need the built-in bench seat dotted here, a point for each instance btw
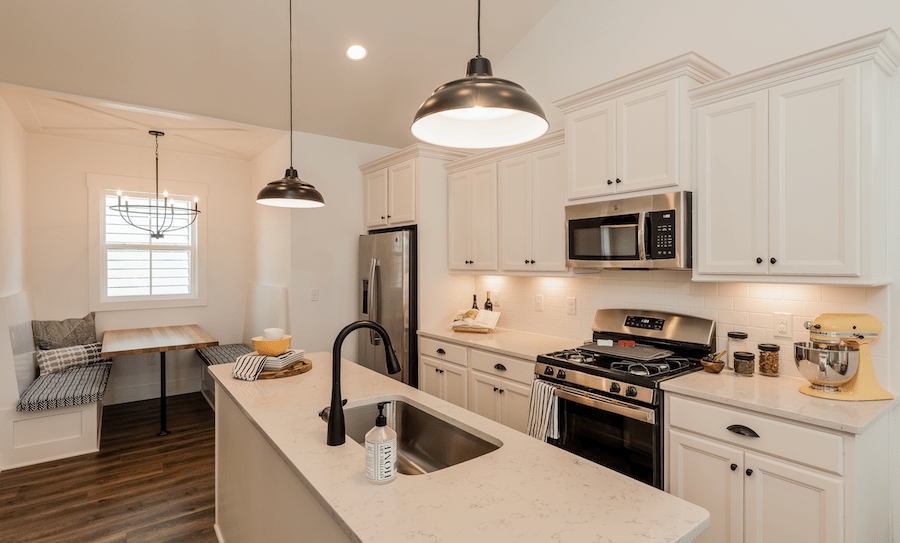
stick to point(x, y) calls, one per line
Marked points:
point(68, 388)
point(218, 354)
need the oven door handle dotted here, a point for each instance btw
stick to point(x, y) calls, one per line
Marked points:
point(642, 414)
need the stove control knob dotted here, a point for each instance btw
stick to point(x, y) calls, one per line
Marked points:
point(560, 374)
point(631, 392)
point(548, 371)
point(615, 387)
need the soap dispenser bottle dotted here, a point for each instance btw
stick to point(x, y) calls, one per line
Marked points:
point(381, 451)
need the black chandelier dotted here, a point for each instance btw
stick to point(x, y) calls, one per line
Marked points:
point(153, 217)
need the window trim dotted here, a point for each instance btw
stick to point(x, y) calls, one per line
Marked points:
point(97, 184)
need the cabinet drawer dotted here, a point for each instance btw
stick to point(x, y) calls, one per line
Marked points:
point(815, 448)
point(449, 352)
point(516, 369)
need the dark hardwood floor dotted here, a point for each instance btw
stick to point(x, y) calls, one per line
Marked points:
point(138, 488)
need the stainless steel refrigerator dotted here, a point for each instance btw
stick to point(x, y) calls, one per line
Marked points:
point(387, 295)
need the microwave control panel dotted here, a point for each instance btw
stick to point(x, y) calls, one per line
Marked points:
point(662, 234)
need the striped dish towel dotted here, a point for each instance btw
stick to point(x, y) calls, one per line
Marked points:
point(543, 415)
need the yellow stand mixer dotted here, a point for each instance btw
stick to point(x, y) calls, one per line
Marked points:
point(836, 359)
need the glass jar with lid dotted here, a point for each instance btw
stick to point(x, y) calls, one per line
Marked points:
point(737, 341)
point(768, 359)
point(744, 363)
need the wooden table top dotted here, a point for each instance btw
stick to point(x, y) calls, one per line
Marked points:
point(154, 340)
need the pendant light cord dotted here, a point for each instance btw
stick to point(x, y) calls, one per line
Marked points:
point(156, 207)
point(291, 72)
point(479, 30)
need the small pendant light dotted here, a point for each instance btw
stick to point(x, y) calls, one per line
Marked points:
point(480, 110)
point(291, 191)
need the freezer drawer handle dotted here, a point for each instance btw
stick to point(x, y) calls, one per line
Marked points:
point(742, 430)
point(500, 367)
point(441, 351)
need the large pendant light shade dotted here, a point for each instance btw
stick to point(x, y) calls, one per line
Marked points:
point(479, 110)
point(290, 191)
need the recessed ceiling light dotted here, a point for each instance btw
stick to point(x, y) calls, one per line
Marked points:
point(357, 52)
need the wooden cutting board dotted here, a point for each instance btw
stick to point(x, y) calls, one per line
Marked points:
point(301, 366)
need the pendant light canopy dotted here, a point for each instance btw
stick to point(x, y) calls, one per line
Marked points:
point(290, 191)
point(480, 110)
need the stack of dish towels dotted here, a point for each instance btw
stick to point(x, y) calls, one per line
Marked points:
point(249, 366)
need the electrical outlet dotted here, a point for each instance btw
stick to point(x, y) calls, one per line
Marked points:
point(314, 295)
point(570, 306)
point(495, 298)
point(538, 302)
point(783, 325)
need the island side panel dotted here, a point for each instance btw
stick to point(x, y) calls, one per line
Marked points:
point(258, 498)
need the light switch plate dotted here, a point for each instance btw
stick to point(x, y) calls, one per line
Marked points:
point(495, 298)
point(538, 302)
point(314, 295)
point(570, 306)
point(783, 325)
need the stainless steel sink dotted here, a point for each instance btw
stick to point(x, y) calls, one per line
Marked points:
point(426, 441)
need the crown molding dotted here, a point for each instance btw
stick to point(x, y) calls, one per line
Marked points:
point(416, 150)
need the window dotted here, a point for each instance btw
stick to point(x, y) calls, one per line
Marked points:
point(130, 269)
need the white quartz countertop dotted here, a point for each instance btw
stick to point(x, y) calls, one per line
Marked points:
point(779, 396)
point(526, 490)
point(503, 341)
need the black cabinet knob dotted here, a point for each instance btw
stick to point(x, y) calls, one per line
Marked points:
point(389, 216)
point(532, 261)
point(618, 180)
point(759, 261)
point(501, 391)
point(772, 260)
point(608, 182)
point(733, 467)
point(526, 261)
point(749, 472)
point(382, 217)
point(442, 371)
point(496, 389)
point(436, 370)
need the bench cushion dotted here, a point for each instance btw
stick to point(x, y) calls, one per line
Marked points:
point(76, 386)
point(223, 354)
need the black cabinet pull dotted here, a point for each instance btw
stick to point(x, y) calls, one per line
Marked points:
point(609, 181)
point(733, 467)
point(500, 367)
point(742, 430)
point(618, 180)
point(759, 261)
point(772, 260)
point(441, 351)
point(749, 472)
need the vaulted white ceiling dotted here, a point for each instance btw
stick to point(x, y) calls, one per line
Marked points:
point(228, 60)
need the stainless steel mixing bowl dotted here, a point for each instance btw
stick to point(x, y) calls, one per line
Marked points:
point(826, 366)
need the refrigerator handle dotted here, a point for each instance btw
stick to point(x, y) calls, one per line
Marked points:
point(374, 338)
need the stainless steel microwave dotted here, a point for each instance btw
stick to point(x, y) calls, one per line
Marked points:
point(640, 232)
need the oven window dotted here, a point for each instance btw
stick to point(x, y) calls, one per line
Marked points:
point(612, 238)
point(622, 444)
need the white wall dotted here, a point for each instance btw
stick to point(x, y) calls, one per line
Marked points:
point(12, 204)
point(57, 259)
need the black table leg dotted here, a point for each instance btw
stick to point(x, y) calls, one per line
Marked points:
point(162, 395)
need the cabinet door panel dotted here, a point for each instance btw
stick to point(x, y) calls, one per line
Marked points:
point(458, 230)
point(514, 177)
point(483, 396)
point(548, 227)
point(402, 197)
point(376, 198)
point(700, 472)
point(814, 180)
point(515, 401)
point(784, 502)
point(455, 384)
point(430, 376)
point(732, 176)
point(483, 218)
point(591, 150)
point(647, 138)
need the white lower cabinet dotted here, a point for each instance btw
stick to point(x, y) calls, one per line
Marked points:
point(499, 399)
point(789, 483)
point(442, 371)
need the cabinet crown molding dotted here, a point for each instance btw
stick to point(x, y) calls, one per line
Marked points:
point(689, 64)
point(552, 139)
point(882, 47)
point(415, 150)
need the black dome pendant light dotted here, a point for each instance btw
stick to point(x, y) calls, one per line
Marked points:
point(480, 110)
point(290, 191)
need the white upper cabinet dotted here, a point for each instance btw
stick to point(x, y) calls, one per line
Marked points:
point(633, 133)
point(791, 167)
point(376, 194)
point(472, 212)
point(391, 198)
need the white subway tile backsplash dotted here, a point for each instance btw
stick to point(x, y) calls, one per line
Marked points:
point(784, 306)
point(764, 290)
point(848, 295)
point(705, 313)
point(738, 318)
point(803, 293)
point(690, 300)
point(665, 299)
point(812, 309)
point(766, 320)
point(705, 289)
point(754, 305)
point(735, 290)
point(718, 302)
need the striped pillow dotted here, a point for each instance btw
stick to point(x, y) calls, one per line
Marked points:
point(67, 357)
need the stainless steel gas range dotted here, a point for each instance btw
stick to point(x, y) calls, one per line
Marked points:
point(610, 401)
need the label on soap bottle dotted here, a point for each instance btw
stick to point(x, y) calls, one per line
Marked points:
point(381, 461)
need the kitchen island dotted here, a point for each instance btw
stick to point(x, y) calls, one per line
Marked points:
point(277, 480)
